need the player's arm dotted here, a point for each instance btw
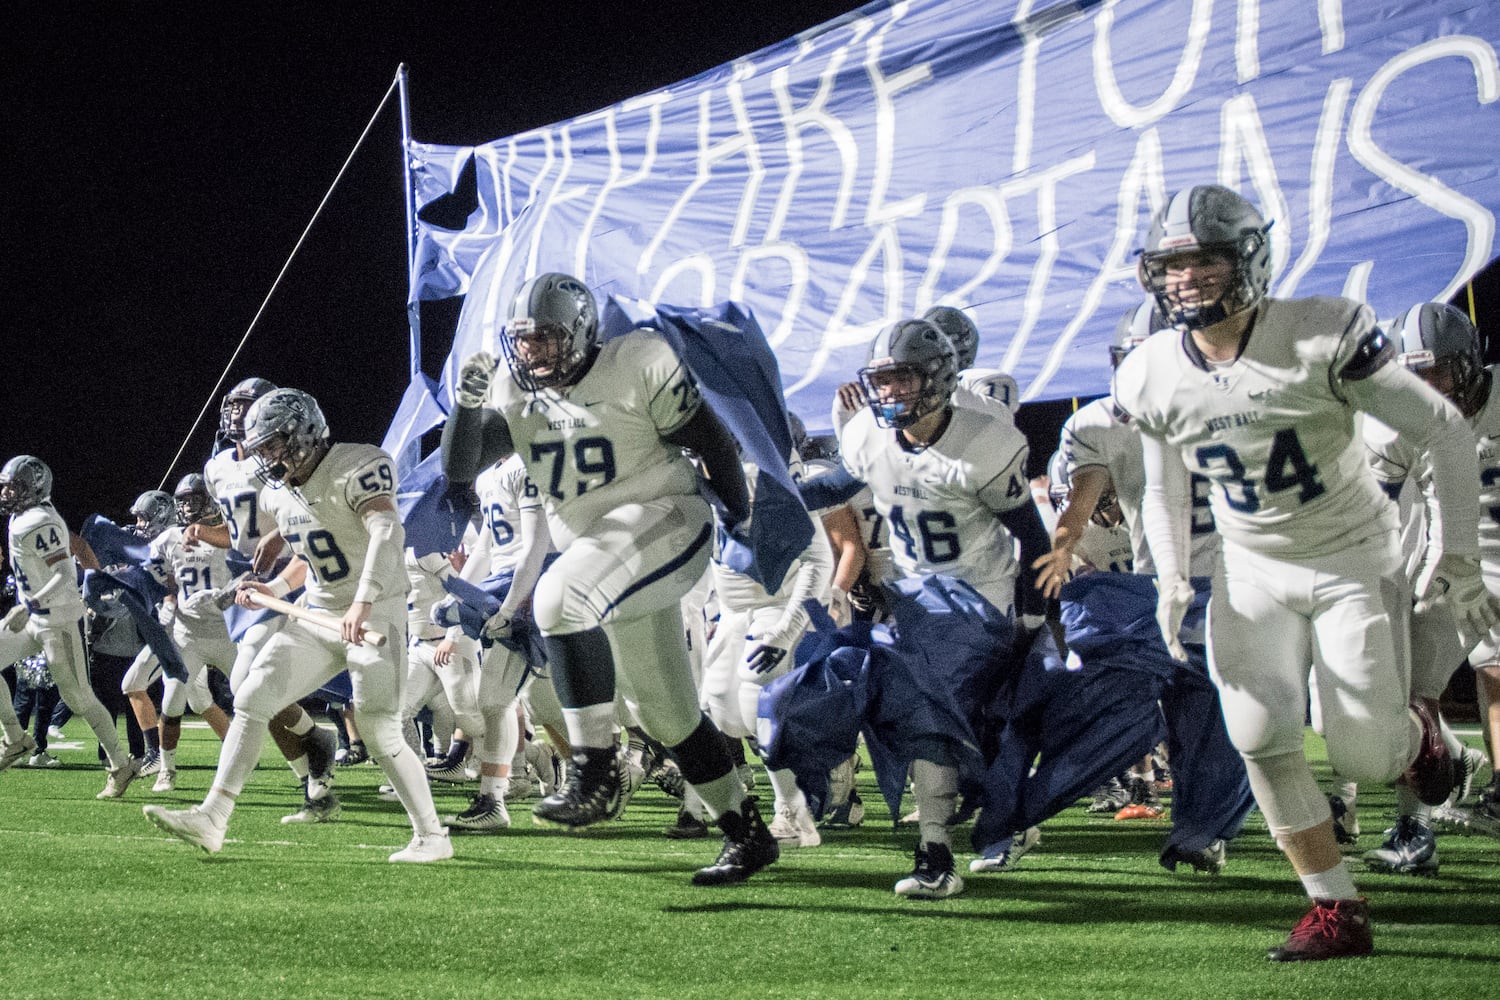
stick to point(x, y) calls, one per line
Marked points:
point(475, 437)
point(1089, 483)
point(83, 551)
point(1009, 496)
point(1166, 518)
point(216, 535)
point(847, 544)
point(289, 579)
point(384, 560)
point(705, 435)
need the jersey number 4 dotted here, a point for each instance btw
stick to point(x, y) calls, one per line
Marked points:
point(1287, 468)
point(938, 546)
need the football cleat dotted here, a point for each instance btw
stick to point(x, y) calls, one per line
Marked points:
point(321, 746)
point(485, 812)
point(356, 754)
point(593, 792)
point(666, 775)
point(795, 828)
point(426, 848)
point(1476, 763)
point(1485, 816)
point(1004, 856)
point(1434, 773)
point(166, 780)
point(633, 776)
point(120, 778)
point(448, 772)
point(1109, 798)
point(323, 809)
point(1144, 802)
point(43, 759)
point(687, 827)
point(151, 763)
point(15, 751)
point(1333, 928)
point(1209, 860)
point(1345, 819)
point(748, 847)
point(933, 876)
point(192, 825)
point(1410, 848)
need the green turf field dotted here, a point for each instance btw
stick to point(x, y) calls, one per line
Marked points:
point(99, 904)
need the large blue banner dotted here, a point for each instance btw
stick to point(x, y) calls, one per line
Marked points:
point(1003, 156)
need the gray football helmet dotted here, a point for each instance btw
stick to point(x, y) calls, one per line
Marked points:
point(1134, 327)
point(1106, 513)
point(195, 505)
point(25, 482)
point(960, 330)
point(236, 404)
point(154, 512)
point(1438, 342)
point(559, 308)
point(910, 346)
point(286, 435)
point(1213, 221)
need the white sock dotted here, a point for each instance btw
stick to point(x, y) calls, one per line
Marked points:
point(591, 726)
point(784, 784)
point(168, 759)
point(1335, 883)
point(722, 795)
point(409, 778)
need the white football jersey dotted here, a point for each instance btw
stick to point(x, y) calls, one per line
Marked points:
point(940, 503)
point(236, 485)
point(504, 491)
point(1098, 434)
point(1273, 431)
point(38, 534)
point(596, 445)
point(424, 576)
point(321, 523)
point(737, 592)
point(188, 569)
point(988, 390)
point(1109, 550)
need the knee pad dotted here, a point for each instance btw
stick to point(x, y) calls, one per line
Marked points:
point(381, 734)
point(561, 604)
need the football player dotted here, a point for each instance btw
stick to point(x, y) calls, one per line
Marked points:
point(951, 484)
point(601, 428)
point(154, 513)
point(989, 390)
point(1260, 396)
point(234, 481)
point(48, 615)
point(1441, 345)
point(334, 504)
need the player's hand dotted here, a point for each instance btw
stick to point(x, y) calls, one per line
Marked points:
point(166, 613)
point(353, 625)
point(1172, 600)
point(192, 536)
point(499, 626)
point(839, 608)
point(474, 377)
point(266, 551)
point(1056, 567)
point(242, 595)
point(443, 654)
point(767, 651)
point(199, 603)
point(1459, 581)
point(852, 397)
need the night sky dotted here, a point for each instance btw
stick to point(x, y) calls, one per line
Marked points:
point(166, 158)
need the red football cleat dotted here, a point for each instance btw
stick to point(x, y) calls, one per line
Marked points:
point(1333, 928)
point(1434, 773)
point(1139, 811)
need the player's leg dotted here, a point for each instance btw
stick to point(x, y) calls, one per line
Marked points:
point(143, 672)
point(15, 744)
point(496, 695)
point(68, 660)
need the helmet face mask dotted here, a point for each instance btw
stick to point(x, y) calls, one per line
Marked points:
point(194, 504)
point(25, 482)
point(154, 512)
point(551, 333)
point(1441, 346)
point(1207, 257)
point(286, 435)
point(236, 405)
point(911, 372)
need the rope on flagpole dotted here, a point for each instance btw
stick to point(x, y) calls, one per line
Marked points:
point(214, 392)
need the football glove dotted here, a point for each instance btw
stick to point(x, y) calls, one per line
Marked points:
point(1459, 581)
point(166, 613)
point(767, 651)
point(499, 626)
point(474, 377)
point(1172, 600)
point(445, 612)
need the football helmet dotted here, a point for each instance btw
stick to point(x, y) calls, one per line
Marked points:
point(554, 314)
point(154, 512)
point(25, 482)
point(195, 505)
point(917, 352)
point(1134, 327)
point(236, 404)
point(1214, 224)
point(1106, 513)
point(960, 330)
point(799, 432)
point(286, 435)
point(1438, 342)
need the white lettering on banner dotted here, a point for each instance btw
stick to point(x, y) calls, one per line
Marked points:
point(1430, 191)
point(1331, 24)
point(556, 194)
point(796, 262)
point(992, 203)
point(840, 332)
point(1032, 28)
point(700, 264)
point(813, 115)
point(1320, 184)
point(1241, 135)
point(884, 90)
point(652, 104)
point(1247, 42)
point(1128, 115)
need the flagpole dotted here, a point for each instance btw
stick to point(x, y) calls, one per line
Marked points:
point(413, 307)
